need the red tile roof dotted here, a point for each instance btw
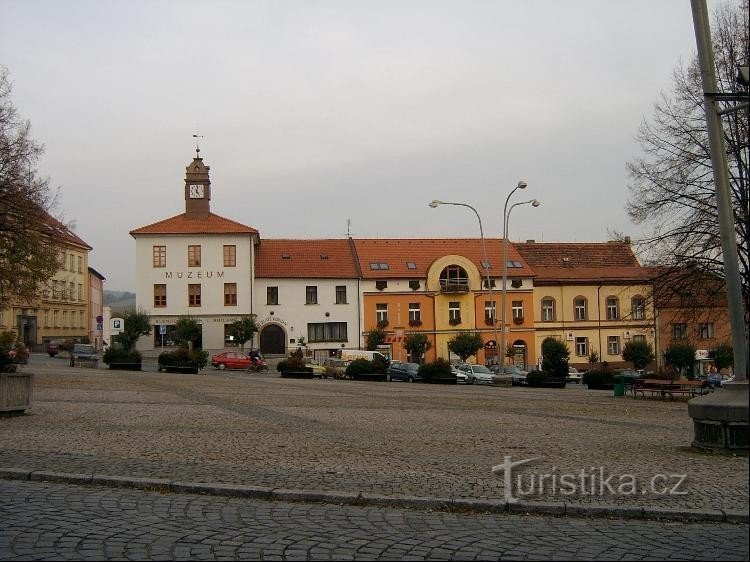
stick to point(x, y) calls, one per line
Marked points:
point(323, 259)
point(583, 261)
point(62, 233)
point(422, 252)
point(182, 224)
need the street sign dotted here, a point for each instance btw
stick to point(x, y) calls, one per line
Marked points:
point(162, 329)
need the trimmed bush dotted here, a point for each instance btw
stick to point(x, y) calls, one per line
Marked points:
point(359, 367)
point(602, 379)
point(119, 358)
point(439, 371)
point(183, 359)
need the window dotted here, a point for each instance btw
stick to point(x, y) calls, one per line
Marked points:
point(582, 347)
point(380, 285)
point(415, 314)
point(46, 318)
point(548, 309)
point(230, 256)
point(613, 345)
point(80, 264)
point(579, 307)
point(381, 313)
point(454, 278)
point(194, 256)
point(272, 295)
point(72, 262)
point(411, 265)
point(326, 331)
point(230, 294)
point(194, 295)
point(517, 308)
point(340, 294)
point(80, 292)
point(72, 291)
point(679, 331)
point(56, 318)
point(640, 338)
point(160, 296)
point(414, 284)
point(374, 265)
point(489, 312)
point(160, 256)
point(486, 285)
point(311, 294)
point(613, 308)
point(706, 330)
point(65, 319)
point(81, 319)
point(638, 308)
point(454, 312)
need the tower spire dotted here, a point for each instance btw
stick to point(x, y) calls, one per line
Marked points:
point(197, 136)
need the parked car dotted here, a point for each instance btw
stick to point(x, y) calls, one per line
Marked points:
point(319, 371)
point(517, 374)
point(717, 380)
point(338, 365)
point(574, 375)
point(54, 347)
point(476, 373)
point(400, 371)
point(461, 376)
point(230, 360)
point(83, 353)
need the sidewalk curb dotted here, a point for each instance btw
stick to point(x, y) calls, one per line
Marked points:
point(367, 499)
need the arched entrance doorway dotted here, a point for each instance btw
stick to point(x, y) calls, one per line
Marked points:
point(272, 340)
point(520, 357)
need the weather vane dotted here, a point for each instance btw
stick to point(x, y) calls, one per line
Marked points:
point(196, 136)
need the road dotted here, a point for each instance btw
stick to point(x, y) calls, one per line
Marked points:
point(45, 521)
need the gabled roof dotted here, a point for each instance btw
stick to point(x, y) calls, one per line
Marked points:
point(287, 259)
point(62, 233)
point(182, 224)
point(399, 253)
point(582, 261)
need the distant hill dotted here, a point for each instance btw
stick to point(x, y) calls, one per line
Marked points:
point(119, 301)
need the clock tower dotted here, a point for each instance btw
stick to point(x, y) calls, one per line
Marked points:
point(197, 188)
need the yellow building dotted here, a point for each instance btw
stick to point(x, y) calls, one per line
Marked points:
point(595, 297)
point(61, 309)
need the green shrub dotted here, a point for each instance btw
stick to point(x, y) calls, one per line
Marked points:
point(438, 369)
point(183, 357)
point(379, 364)
point(359, 367)
point(536, 378)
point(120, 355)
point(598, 378)
point(295, 362)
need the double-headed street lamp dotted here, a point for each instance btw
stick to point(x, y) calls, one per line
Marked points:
point(506, 219)
point(485, 265)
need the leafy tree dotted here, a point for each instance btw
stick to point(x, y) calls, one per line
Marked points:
point(723, 356)
point(639, 353)
point(374, 338)
point(135, 325)
point(29, 254)
point(417, 345)
point(672, 190)
point(187, 331)
point(681, 356)
point(555, 358)
point(465, 344)
point(243, 330)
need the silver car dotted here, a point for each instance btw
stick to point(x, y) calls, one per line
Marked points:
point(476, 373)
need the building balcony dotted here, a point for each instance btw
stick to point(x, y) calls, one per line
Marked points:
point(454, 285)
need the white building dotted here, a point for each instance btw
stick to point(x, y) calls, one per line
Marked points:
point(195, 264)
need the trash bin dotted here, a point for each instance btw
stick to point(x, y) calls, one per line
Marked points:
point(619, 387)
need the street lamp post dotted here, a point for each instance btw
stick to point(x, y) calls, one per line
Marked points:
point(486, 264)
point(506, 219)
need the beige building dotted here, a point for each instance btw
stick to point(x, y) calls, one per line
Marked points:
point(96, 307)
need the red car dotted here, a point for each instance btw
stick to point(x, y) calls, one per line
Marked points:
point(231, 360)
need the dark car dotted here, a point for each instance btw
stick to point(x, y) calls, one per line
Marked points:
point(400, 371)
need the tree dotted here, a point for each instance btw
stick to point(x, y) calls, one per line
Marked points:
point(723, 356)
point(681, 356)
point(672, 188)
point(639, 353)
point(374, 338)
point(243, 330)
point(135, 325)
point(29, 256)
point(417, 345)
point(187, 331)
point(465, 344)
point(555, 358)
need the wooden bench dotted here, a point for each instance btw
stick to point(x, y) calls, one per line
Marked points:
point(671, 388)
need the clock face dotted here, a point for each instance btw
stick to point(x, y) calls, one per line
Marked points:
point(196, 191)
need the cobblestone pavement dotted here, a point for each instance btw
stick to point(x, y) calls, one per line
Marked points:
point(42, 521)
point(390, 439)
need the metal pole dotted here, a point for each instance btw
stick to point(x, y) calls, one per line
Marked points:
point(723, 195)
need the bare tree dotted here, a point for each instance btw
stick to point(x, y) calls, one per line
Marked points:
point(672, 188)
point(28, 255)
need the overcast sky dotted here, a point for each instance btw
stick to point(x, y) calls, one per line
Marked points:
point(315, 112)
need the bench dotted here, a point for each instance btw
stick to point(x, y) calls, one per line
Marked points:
point(671, 388)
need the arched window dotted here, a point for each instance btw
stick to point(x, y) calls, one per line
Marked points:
point(638, 308)
point(613, 308)
point(580, 308)
point(453, 279)
point(548, 309)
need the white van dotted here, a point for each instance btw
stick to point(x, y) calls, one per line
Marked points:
point(352, 354)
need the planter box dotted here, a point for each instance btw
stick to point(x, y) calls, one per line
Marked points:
point(125, 366)
point(16, 392)
point(369, 377)
point(190, 369)
point(298, 374)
